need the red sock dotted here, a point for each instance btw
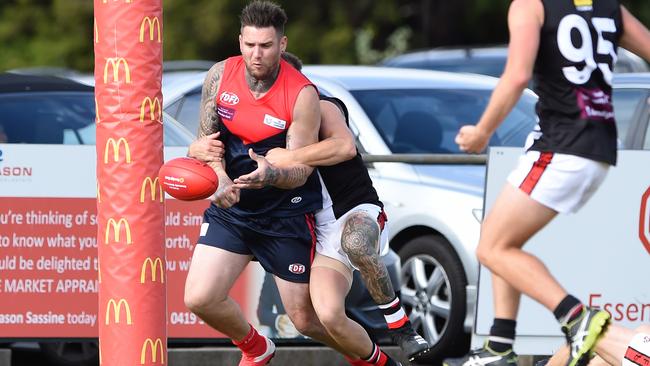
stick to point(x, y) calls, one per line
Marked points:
point(357, 362)
point(252, 344)
point(377, 357)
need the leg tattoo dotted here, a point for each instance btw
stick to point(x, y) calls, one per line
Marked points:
point(360, 241)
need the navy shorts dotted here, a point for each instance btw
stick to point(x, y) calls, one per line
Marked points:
point(284, 246)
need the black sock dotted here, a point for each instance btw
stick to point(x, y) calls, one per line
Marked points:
point(502, 335)
point(568, 309)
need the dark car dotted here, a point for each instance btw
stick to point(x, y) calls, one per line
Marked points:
point(487, 60)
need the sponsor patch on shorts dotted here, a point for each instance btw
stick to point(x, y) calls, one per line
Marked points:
point(297, 268)
point(204, 229)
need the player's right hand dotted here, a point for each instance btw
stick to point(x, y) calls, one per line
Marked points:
point(227, 194)
point(208, 148)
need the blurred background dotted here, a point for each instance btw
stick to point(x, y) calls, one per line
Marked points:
point(58, 33)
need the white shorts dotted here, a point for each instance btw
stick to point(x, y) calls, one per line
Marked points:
point(561, 182)
point(638, 352)
point(329, 231)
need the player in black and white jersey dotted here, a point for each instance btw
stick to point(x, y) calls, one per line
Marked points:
point(569, 47)
point(350, 232)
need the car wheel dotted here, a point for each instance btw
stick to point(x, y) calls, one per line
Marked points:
point(434, 294)
point(71, 353)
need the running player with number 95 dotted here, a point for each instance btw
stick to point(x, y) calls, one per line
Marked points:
point(569, 48)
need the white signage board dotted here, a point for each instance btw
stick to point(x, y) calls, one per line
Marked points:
point(600, 254)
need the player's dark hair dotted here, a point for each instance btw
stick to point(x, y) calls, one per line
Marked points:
point(262, 14)
point(292, 59)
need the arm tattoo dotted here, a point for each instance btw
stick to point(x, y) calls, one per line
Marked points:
point(359, 240)
point(209, 119)
point(290, 177)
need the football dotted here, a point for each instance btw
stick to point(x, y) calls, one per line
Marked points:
point(188, 179)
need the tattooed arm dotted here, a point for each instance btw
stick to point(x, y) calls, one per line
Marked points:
point(303, 131)
point(336, 143)
point(207, 147)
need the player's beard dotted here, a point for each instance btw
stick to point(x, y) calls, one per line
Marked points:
point(263, 73)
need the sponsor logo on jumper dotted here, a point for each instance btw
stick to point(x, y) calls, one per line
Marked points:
point(297, 199)
point(595, 104)
point(274, 122)
point(229, 98)
point(225, 112)
point(583, 5)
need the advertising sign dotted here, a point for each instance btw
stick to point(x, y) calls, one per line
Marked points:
point(600, 254)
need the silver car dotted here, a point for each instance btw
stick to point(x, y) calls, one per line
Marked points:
point(433, 211)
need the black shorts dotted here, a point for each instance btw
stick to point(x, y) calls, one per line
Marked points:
point(284, 246)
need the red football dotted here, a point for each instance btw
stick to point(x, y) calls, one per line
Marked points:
point(188, 179)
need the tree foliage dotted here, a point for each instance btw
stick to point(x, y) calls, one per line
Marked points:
point(59, 32)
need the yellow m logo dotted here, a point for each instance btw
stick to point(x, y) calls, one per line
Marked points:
point(153, 22)
point(152, 184)
point(154, 105)
point(116, 149)
point(117, 309)
point(117, 227)
point(116, 62)
point(154, 347)
point(154, 266)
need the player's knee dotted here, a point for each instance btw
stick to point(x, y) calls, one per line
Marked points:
point(307, 324)
point(360, 235)
point(198, 301)
point(484, 255)
point(331, 318)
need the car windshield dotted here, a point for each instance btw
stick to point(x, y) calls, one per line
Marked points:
point(62, 118)
point(427, 120)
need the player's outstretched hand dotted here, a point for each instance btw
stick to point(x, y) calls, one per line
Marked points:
point(208, 148)
point(264, 175)
point(472, 139)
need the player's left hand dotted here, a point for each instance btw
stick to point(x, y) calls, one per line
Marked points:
point(472, 139)
point(264, 175)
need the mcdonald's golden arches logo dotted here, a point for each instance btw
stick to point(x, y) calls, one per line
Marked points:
point(152, 184)
point(154, 347)
point(154, 105)
point(117, 228)
point(154, 266)
point(116, 306)
point(99, 194)
point(116, 149)
point(154, 24)
point(116, 62)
